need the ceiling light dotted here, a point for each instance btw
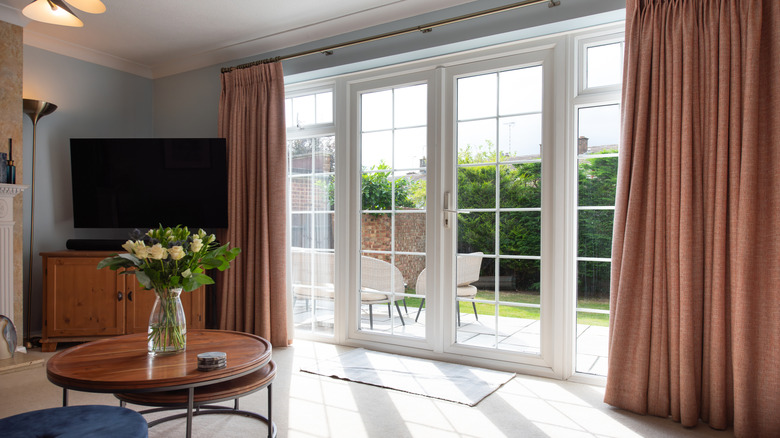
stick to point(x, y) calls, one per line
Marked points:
point(56, 12)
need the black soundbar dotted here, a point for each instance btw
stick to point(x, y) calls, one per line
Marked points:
point(95, 244)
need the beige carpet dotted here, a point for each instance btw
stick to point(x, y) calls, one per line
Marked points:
point(312, 406)
point(445, 381)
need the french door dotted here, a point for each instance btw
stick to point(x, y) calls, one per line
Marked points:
point(450, 233)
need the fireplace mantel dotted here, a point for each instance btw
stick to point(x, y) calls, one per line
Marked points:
point(7, 193)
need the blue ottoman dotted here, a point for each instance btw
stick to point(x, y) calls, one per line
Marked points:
point(92, 421)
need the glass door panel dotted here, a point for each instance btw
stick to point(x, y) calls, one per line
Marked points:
point(393, 157)
point(311, 178)
point(499, 200)
point(597, 159)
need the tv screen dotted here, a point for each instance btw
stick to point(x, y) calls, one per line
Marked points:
point(144, 183)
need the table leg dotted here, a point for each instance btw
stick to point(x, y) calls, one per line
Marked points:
point(190, 398)
point(270, 420)
point(64, 397)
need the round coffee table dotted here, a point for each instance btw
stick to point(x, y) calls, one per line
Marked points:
point(121, 366)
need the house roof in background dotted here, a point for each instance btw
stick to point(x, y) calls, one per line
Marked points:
point(153, 38)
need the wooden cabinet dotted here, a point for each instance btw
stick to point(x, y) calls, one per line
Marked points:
point(81, 302)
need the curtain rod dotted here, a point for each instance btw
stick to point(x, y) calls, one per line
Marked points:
point(328, 50)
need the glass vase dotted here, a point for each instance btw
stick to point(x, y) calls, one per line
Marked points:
point(167, 324)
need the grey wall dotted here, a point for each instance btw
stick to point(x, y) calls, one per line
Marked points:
point(92, 101)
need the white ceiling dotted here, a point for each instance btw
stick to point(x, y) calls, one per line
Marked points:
point(157, 38)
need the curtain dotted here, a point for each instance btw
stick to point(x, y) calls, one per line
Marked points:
point(695, 322)
point(252, 294)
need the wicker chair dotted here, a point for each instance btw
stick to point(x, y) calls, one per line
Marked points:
point(467, 271)
point(313, 279)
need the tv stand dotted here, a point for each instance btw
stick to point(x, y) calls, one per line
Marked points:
point(95, 244)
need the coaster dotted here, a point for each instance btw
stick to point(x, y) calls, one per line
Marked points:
point(212, 360)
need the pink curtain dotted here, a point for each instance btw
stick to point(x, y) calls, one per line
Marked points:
point(252, 294)
point(695, 323)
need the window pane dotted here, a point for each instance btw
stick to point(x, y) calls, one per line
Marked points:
point(521, 185)
point(593, 284)
point(592, 343)
point(303, 110)
point(598, 129)
point(476, 187)
point(521, 233)
point(323, 231)
point(477, 96)
point(477, 232)
point(520, 137)
point(300, 189)
point(519, 281)
point(597, 180)
point(519, 329)
point(411, 104)
point(377, 110)
point(410, 148)
point(324, 107)
point(594, 229)
point(521, 91)
point(410, 233)
point(377, 150)
point(325, 151)
point(410, 192)
point(605, 65)
point(375, 232)
point(301, 230)
point(322, 192)
point(477, 141)
point(288, 113)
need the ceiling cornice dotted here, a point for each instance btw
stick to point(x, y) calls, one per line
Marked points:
point(85, 54)
point(12, 15)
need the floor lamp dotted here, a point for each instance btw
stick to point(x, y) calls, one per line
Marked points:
point(35, 109)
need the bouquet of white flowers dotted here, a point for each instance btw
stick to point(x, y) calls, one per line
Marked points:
point(169, 260)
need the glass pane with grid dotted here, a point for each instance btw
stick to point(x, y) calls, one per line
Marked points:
point(499, 170)
point(393, 157)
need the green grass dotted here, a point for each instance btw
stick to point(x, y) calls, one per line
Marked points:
point(586, 318)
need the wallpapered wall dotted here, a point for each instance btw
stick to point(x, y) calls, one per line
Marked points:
point(11, 127)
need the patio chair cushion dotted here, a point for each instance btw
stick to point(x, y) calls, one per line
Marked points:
point(87, 421)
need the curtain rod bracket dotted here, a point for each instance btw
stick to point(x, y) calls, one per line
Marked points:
point(327, 52)
point(554, 3)
point(426, 29)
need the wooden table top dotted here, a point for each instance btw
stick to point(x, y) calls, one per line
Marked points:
point(122, 364)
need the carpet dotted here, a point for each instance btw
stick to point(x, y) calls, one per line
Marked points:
point(441, 380)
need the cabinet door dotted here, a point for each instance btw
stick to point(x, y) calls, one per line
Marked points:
point(82, 300)
point(140, 303)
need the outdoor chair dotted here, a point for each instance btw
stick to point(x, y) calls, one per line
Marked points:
point(313, 279)
point(467, 271)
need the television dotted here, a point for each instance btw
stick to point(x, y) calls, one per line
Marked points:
point(147, 182)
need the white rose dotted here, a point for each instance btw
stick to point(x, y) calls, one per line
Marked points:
point(176, 252)
point(186, 274)
point(128, 246)
point(140, 249)
point(157, 252)
point(196, 244)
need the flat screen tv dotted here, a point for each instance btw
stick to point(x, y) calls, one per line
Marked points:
point(143, 183)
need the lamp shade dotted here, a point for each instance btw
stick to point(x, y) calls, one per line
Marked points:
point(91, 6)
point(52, 12)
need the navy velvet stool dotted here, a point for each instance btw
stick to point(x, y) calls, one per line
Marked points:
point(91, 421)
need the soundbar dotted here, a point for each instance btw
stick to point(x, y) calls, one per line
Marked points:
point(95, 244)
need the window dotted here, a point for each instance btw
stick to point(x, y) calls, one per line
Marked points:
point(311, 179)
point(479, 204)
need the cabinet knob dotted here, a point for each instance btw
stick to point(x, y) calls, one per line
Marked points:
point(119, 296)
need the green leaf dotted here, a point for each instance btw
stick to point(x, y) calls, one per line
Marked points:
point(144, 279)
